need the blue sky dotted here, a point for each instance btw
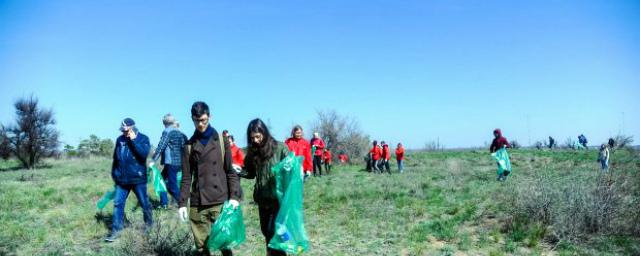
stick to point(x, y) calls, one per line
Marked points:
point(408, 71)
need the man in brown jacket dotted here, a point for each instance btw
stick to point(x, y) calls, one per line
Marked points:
point(208, 178)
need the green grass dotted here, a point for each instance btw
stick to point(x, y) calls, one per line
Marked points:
point(446, 203)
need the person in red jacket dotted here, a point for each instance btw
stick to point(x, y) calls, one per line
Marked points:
point(327, 160)
point(386, 155)
point(300, 147)
point(317, 155)
point(400, 157)
point(375, 154)
point(343, 158)
point(499, 141)
point(236, 154)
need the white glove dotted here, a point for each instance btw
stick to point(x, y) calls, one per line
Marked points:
point(234, 203)
point(151, 164)
point(237, 168)
point(182, 213)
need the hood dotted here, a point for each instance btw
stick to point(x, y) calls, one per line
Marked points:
point(497, 131)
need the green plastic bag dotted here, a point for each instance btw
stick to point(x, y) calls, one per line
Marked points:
point(158, 182)
point(502, 157)
point(290, 235)
point(179, 179)
point(228, 231)
point(105, 199)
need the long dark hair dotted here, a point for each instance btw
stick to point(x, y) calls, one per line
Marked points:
point(294, 129)
point(262, 153)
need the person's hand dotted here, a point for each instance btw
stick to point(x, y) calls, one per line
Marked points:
point(182, 213)
point(131, 134)
point(236, 168)
point(234, 203)
point(151, 164)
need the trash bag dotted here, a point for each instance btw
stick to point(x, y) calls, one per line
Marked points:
point(158, 182)
point(179, 179)
point(105, 199)
point(502, 157)
point(290, 235)
point(228, 231)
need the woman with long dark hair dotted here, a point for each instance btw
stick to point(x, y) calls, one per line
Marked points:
point(263, 152)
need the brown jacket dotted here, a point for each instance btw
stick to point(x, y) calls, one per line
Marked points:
point(207, 179)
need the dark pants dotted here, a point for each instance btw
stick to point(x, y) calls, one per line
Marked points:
point(201, 218)
point(386, 165)
point(327, 167)
point(120, 199)
point(317, 165)
point(268, 226)
point(170, 175)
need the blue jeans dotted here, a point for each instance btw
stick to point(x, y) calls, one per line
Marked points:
point(120, 199)
point(604, 165)
point(401, 165)
point(170, 175)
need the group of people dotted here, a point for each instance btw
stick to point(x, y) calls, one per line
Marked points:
point(211, 166)
point(379, 155)
point(500, 142)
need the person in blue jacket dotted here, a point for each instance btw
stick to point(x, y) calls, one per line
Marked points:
point(129, 173)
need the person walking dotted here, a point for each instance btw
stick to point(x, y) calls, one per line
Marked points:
point(603, 157)
point(208, 178)
point(170, 149)
point(264, 152)
point(319, 145)
point(400, 157)
point(128, 171)
point(301, 147)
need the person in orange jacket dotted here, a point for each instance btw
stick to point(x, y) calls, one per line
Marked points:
point(375, 155)
point(386, 155)
point(327, 160)
point(300, 147)
point(400, 157)
point(237, 156)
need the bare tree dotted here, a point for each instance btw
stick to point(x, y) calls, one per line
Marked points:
point(33, 136)
point(341, 134)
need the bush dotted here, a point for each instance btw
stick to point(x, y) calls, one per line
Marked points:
point(515, 144)
point(34, 135)
point(167, 237)
point(575, 208)
point(341, 134)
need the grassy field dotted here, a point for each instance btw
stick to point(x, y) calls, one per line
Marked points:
point(446, 203)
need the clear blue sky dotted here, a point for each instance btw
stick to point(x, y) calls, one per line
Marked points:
point(409, 71)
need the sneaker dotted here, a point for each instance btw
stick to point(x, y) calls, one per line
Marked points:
point(111, 238)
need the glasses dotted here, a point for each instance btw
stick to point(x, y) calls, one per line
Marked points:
point(201, 120)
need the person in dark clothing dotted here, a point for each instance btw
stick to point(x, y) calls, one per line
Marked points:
point(128, 171)
point(612, 143)
point(552, 142)
point(264, 152)
point(583, 140)
point(206, 161)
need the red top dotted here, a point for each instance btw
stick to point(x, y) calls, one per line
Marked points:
point(301, 147)
point(319, 143)
point(343, 158)
point(237, 155)
point(385, 152)
point(376, 152)
point(400, 153)
point(498, 142)
point(327, 156)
